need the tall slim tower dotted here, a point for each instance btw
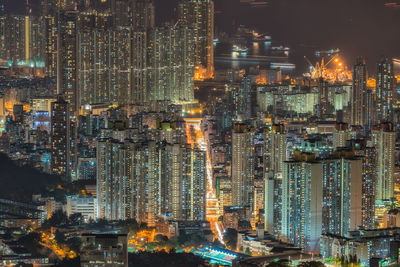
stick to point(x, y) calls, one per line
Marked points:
point(358, 93)
point(49, 17)
point(199, 15)
point(242, 164)
point(142, 15)
point(60, 138)
point(114, 184)
point(274, 157)
point(342, 195)
point(384, 140)
point(323, 100)
point(302, 204)
point(385, 90)
point(369, 187)
point(67, 42)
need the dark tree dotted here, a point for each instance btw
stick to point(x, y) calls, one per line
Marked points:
point(172, 259)
point(278, 264)
point(59, 237)
point(311, 264)
point(160, 239)
point(59, 218)
point(76, 219)
point(31, 243)
point(69, 262)
point(230, 238)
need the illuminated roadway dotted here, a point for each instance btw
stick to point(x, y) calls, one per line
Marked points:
point(195, 136)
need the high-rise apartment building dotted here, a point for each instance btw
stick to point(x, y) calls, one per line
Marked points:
point(21, 39)
point(323, 98)
point(342, 195)
point(369, 172)
point(142, 15)
point(50, 22)
point(150, 179)
point(275, 149)
point(140, 91)
point(274, 157)
point(170, 64)
point(109, 52)
point(114, 184)
point(67, 57)
point(104, 66)
point(384, 140)
point(242, 164)
point(359, 93)
point(385, 90)
point(199, 16)
point(60, 138)
point(302, 204)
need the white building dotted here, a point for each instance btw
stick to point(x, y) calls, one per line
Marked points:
point(87, 206)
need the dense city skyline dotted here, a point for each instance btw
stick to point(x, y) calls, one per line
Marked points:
point(199, 133)
point(359, 27)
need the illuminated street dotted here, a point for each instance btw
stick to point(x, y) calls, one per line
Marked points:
point(195, 137)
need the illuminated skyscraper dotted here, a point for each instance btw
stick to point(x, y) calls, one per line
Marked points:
point(242, 164)
point(342, 195)
point(49, 17)
point(21, 38)
point(274, 157)
point(15, 38)
point(142, 15)
point(186, 182)
point(114, 180)
point(103, 62)
point(150, 179)
point(384, 140)
point(60, 138)
point(199, 15)
point(139, 91)
point(67, 42)
point(142, 23)
point(3, 31)
point(169, 181)
point(359, 94)
point(241, 99)
point(275, 149)
point(385, 90)
point(170, 61)
point(302, 204)
point(323, 100)
point(369, 187)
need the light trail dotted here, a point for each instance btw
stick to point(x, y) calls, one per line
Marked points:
point(212, 205)
point(220, 235)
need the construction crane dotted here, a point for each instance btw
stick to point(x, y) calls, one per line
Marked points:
point(322, 69)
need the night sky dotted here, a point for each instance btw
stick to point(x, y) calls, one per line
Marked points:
point(357, 27)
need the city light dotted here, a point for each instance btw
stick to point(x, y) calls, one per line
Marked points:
point(200, 132)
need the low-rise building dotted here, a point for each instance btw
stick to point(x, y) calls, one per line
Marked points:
point(109, 250)
point(260, 243)
point(364, 244)
point(236, 217)
point(87, 206)
point(171, 228)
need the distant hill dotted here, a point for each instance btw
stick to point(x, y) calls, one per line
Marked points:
point(19, 183)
